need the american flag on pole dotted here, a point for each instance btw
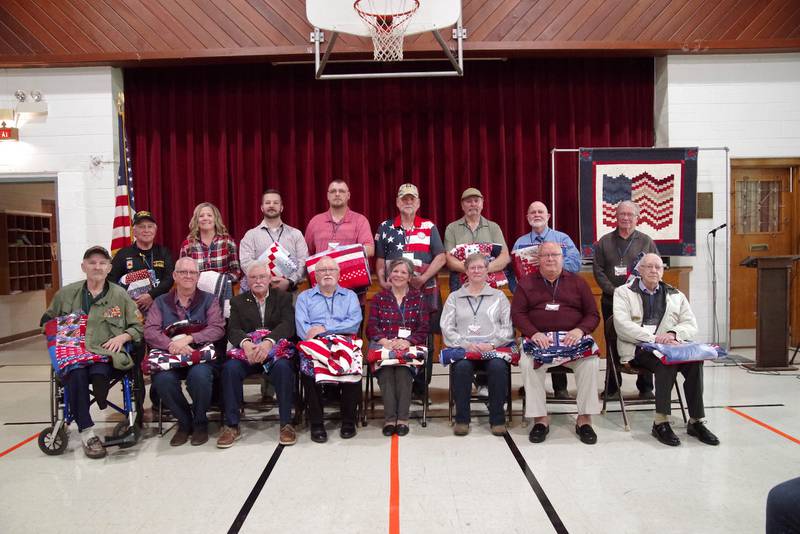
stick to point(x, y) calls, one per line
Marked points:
point(124, 207)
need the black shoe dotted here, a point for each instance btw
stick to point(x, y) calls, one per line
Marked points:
point(388, 430)
point(647, 394)
point(663, 433)
point(538, 433)
point(561, 394)
point(347, 431)
point(318, 434)
point(586, 433)
point(401, 430)
point(698, 430)
point(199, 436)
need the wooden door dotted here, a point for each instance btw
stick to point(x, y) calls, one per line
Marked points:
point(762, 224)
point(49, 206)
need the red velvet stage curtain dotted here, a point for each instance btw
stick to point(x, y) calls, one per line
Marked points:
point(224, 133)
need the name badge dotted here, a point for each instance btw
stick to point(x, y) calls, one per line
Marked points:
point(650, 328)
point(158, 264)
point(551, 306)
point(620, 270)
point(403, 333)
point(333, 244)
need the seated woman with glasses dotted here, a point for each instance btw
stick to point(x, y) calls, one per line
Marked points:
point(397, 330)
point(477, 318)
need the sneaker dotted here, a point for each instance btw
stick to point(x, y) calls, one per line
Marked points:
point(498, 430)
point(483, 392)
point(287, 435)
point(461, 429)
point(94, 449)
point(228, 436)
point(199, 436)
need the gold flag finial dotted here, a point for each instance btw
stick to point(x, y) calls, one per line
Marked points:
point(120, 103)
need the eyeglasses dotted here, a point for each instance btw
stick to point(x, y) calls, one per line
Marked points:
point(258, 277)
point(188, 273)
point(551, 255)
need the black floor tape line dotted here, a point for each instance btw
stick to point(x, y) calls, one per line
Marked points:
point(256, 491)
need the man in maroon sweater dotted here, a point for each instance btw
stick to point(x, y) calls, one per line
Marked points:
point(554, 300)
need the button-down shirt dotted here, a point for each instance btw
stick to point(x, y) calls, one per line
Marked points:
point(322, 230)
point(256, 241)
point(386, 318)
point(459, 233)
point(339, 314)
point(220, 256)
point(572, 258)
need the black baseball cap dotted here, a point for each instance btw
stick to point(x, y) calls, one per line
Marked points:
point(97, 249)
point(142, 215)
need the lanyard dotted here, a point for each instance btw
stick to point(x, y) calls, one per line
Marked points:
point(149, 264)
point(623, 254)
point(270, 234)
point(185, 311)
point(402, 309)
point(474, 308)
point(330, 308)
point(261, 310)
point(555, 286)
point(407, 233)
point(542, 238)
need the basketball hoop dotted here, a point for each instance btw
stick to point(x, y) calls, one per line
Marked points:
point(387, 28)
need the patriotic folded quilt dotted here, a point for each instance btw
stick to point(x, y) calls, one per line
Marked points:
point(683, 352)
point(333, 358)
point(380, 357)
point(137, 282)
point(490, 250)
point(158, 360)
point(281, 262)
point(522, 261)
point(558, 353)
point(352, 262)
point(66, 344)
point(509, 353)
point(281, 349)
point(221, 286)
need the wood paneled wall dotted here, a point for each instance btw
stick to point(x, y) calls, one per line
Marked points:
point(126, 32)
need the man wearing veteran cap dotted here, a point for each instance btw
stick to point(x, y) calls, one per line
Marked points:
point(112, 321)
point(144, 269)
point(473, 228)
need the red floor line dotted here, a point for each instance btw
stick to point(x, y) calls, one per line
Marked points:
point(18, 445)
point(394, 489)
point(765, 425)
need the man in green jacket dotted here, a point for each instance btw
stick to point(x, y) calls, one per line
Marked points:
point(112, 321)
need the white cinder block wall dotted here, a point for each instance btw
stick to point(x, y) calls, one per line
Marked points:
point(749, 103)
point(81, 123)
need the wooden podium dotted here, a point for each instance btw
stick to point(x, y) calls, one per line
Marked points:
point(772, 326)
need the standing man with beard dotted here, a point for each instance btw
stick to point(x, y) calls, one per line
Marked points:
point(273, 230)
point(339, 225)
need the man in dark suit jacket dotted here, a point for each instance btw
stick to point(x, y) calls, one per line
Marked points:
point(262, 308)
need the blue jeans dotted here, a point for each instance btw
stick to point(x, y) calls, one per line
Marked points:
point(77, 383)
point(199, 380)
point(783, 512)
point(497, 373)
point(235, 371)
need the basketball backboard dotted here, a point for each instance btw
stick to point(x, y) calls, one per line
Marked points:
point(341, 16)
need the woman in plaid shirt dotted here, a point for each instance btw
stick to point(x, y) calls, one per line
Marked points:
point(209, 243)
point(398, 319)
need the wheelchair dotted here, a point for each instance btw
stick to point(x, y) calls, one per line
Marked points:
point(53, 439)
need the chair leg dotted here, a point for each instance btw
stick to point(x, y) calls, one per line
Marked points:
point(425, 396)
point(160, 418)
point(680, 401)
point(508, 396)
point(450, 395)
point(609, 365)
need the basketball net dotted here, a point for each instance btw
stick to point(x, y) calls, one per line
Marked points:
point(387, 25)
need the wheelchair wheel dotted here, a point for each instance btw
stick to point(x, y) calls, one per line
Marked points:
point(121, 428)
point(53, 445)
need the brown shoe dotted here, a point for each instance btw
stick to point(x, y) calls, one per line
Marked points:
point(288, 436)
point(94, 448)
point(461, 429)
point(498, 430)
point(199, 436)
point(228, 436)
point(181, 436)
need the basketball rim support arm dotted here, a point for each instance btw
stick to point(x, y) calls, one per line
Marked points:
point(459, 34)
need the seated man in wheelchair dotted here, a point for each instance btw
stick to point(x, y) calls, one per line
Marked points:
point(555, 308)
point(261, 322)
point(200, 312)
point(112, 321)
point(648, 310)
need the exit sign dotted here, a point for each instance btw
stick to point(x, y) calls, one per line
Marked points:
point(9, 134)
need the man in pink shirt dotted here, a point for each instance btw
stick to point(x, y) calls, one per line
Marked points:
point(339, 225)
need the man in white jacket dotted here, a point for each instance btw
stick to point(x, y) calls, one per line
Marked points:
point(647, 310)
